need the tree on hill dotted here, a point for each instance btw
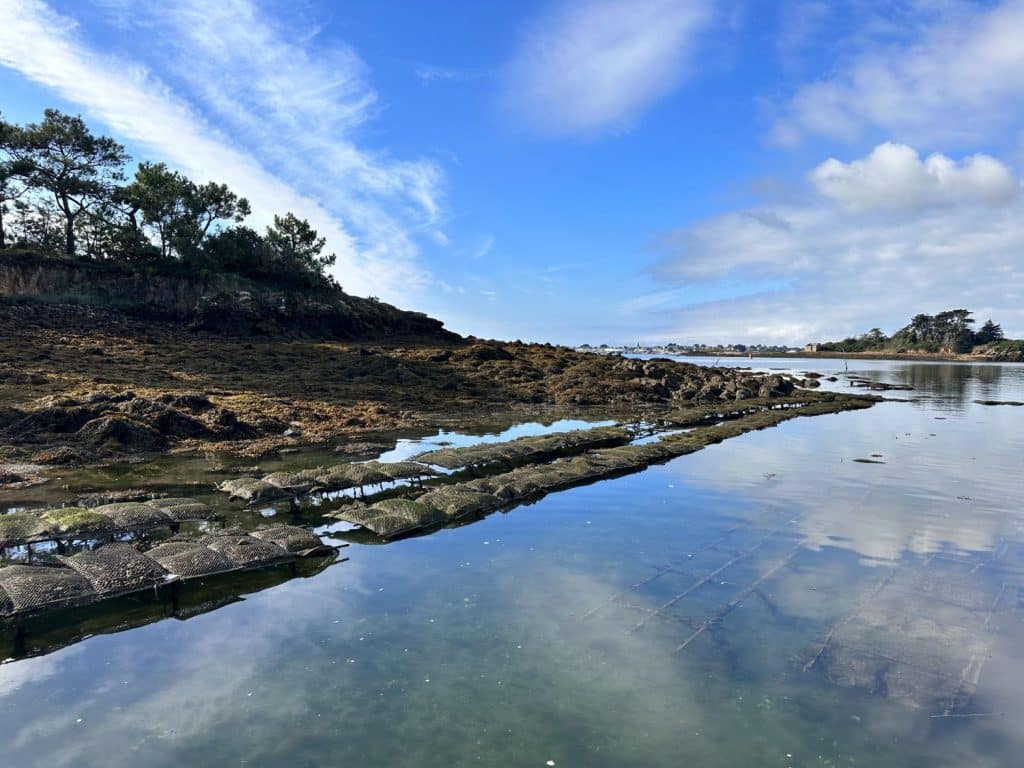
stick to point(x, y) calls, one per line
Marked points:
point(875, 337)
point(295, 242)
point(62, 188)
point(61, 156)
point(175, 212)
point(948, 331)
point(156, 203)
point(12, 171)
point(989, 332)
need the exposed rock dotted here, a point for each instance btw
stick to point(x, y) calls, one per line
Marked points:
point(118, 432)
point(483, 352)
point(166, 420)
point(53, 419)
point(61, 455)
point(194, 402)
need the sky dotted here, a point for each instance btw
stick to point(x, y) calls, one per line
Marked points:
point(584, 171)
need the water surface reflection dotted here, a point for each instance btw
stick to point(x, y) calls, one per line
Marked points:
point(767, 601)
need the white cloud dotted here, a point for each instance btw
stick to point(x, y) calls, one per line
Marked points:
point(838, 268)
point(953, 80)
point(599, 64)
point(428, 74)
point(273, 100)
point(483, 247)
point(893, 176)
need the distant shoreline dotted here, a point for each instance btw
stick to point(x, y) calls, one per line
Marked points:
point(919, 356)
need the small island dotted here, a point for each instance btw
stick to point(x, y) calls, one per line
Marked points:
point(946, 335)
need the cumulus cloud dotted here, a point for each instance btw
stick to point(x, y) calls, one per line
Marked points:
point(599, 64)
point(284, 120)
point(953, 78)
point(894, 176)
point(838, 263)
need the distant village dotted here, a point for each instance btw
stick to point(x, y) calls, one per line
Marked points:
point(718, 350)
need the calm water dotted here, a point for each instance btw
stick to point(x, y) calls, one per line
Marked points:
point(672, 617)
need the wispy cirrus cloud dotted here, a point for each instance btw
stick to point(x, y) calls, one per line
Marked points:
point(429, 74)
point(597, 65)
point(285, 112)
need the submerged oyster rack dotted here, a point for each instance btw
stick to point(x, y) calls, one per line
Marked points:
point(69, 523)
point(442, 504)
point(119, 568)
point(43, 632)
point(922, 634)
point(433, 489)
point(919, 635)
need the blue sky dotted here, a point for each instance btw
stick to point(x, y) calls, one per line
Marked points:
point(589, 170)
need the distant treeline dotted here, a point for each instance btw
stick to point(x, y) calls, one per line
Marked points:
point(65, 190)
point(946, 332)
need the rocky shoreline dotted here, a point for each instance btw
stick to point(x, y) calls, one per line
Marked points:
point(81, 385)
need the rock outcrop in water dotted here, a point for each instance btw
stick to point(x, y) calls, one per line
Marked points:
point(82, 384)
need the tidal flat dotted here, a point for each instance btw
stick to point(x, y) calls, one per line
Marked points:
point(768, 599)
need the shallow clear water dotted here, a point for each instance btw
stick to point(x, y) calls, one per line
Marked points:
point(661, 619)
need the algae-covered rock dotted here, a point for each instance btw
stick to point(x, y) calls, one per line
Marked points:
point(119, 432)
point(61, 455)
point(53, 417)
point(165, 419)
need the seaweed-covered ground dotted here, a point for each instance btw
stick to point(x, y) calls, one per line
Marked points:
point(84, 384)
